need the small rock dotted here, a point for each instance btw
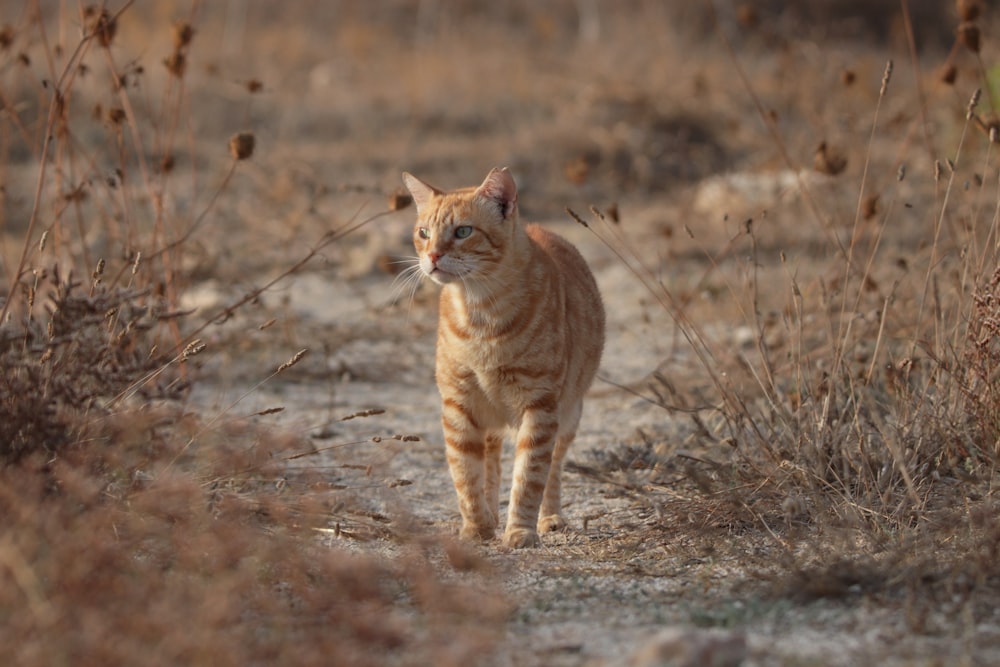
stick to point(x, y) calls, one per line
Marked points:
point(691, 647)
point(735, 194)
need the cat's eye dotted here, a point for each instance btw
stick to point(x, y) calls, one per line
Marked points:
point(424, 233)
point(463, 232)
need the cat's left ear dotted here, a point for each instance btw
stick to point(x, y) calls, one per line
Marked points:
point(499, 186)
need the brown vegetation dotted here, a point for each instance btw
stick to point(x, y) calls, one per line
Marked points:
point(829, 387)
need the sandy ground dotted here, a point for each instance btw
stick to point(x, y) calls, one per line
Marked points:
point(643, 108)
point(597, 594)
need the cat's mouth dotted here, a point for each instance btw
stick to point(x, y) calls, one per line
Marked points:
point(440, 276)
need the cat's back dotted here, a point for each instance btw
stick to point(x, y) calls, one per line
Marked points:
point(572, 266)
point(584, 306)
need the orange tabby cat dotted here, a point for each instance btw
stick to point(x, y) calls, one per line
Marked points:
point(520, 335)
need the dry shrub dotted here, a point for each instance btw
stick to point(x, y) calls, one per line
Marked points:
point(851, 437)
point(138, 530)
point(981, 381)
point(128, 550)
point(59, 374)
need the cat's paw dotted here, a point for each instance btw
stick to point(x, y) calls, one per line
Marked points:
point(551, 523)
point(474, 533)
point(521, 538)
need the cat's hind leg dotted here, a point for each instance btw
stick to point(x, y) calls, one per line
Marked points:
point(532, 458)
point(550, 515)
point(494, 447)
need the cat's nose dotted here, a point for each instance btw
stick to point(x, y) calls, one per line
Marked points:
point(434, 257)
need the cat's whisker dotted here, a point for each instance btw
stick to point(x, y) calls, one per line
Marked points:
point(403, 279)
point(414, 278)
point(405, 286)
point(410, 261)
point(407, 282)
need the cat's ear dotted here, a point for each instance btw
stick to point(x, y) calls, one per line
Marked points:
point(499, 186)
point(422, 193)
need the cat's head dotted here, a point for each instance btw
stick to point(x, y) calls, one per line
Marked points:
point(463, 235)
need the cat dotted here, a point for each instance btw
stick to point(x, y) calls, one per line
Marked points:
point(520, 336)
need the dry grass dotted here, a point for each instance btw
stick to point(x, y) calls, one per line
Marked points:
point(839, 429)
point(137, 529)
point(850, 431)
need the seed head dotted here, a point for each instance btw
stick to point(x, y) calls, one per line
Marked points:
point(968, 10)
point(6, 36)
point(101, 24)
point(578, 169)
point(948, 74)
point(182, 35)
point(973, 102)
point(176, 64)
point(968, 36)
point(363, 413)
point(886, 76)
point(828, 161)
point(294, 360)
point(747, 15)
point(116, 116)
point(193, 348)
point(399, 200)
point(576, 217)
point(869, 207)
point(241, 145)
point(613, 213)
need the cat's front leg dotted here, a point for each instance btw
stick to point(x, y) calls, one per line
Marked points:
point(532, 460)
point(466, 450)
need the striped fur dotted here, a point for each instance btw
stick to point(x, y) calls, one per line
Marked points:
point(520, 334)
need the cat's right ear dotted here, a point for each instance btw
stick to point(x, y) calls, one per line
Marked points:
point(421, 192)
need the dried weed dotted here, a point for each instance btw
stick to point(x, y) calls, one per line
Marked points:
point(139, 529)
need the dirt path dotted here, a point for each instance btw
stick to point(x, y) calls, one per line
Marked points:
point(618, 588)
